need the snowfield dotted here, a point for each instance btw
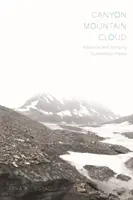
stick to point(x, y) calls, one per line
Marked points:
point(113, 135)
point(114, 162)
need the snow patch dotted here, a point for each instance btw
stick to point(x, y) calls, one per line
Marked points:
point(111, 117)
point(50, 97)
point(105, 117)
point(61, 142)
point(64, 113)
point(76, 112)
point(84, 110)
point(61, 101)
point(33, 104)
point(114, 162)
point(27, 108)
point(46, 99)
point(113, 133)
point(44, 112)
point(94, 111)
point(22, 109)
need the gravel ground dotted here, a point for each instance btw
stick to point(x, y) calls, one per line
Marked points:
point(128, 134)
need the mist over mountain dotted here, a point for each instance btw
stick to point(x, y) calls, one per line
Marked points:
point(45, 107)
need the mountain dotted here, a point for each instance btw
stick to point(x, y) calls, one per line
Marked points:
point(128, 119)
point(47, 108)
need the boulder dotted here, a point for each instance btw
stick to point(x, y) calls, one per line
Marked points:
point(123, 177)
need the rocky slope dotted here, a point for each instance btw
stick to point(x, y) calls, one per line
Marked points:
point(47, 108)
point(128, 119)
point(35, 162)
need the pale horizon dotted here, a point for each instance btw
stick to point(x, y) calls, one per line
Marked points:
point(41, 48)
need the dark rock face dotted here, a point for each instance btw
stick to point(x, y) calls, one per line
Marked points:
point(123, 177)
point(120, 191)
point(100, 173)
point(128, 134)
point(129, 163)
point(119, 149)
point(14, 186)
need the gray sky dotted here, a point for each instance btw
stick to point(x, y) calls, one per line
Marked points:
point(41, 49)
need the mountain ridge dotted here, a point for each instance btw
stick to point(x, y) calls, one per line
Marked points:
point(45, 107)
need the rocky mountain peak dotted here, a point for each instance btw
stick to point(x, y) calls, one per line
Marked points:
point(45, 107)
